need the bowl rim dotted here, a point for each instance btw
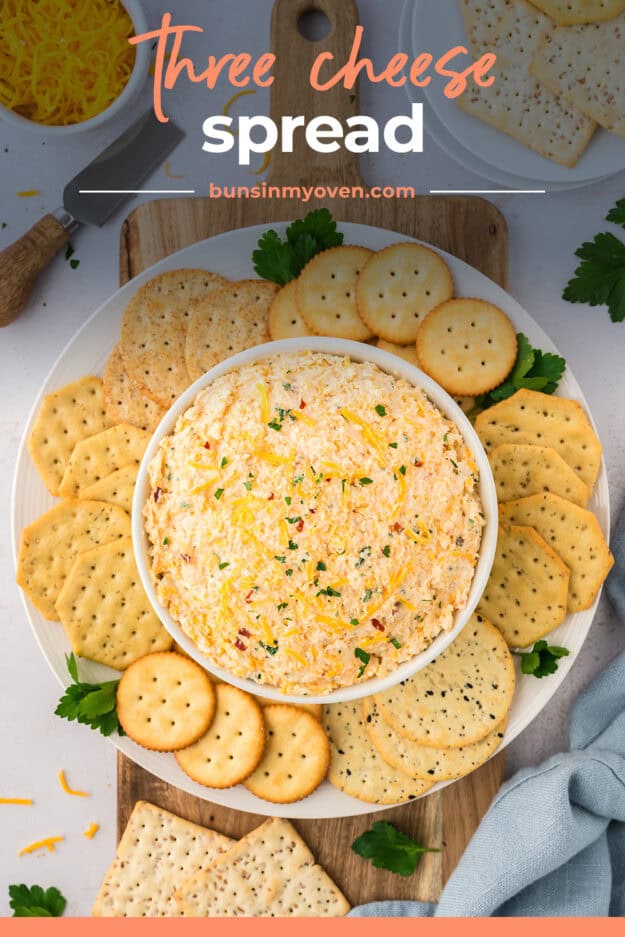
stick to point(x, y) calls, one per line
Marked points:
point(130, 89)
point(392, 364)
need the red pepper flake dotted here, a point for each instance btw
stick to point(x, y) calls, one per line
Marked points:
point(418, 463)
point(244, 632)
point(158, 492)
point(397, 527)
point(312, 510)
point(248, 597)
point(239, 645)
point(300, 526)
point(302, 404)
point(377, 624)
point(185, 557)
point(271, 497)
point(207, 445)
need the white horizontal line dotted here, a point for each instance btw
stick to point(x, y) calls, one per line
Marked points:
point(488, 191)
point(136, 191)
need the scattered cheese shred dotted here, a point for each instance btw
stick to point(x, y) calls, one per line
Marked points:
point(23, 801)
point(91, 830)
point(48, 843)
point(169, 173)
point(264, 401)
point(68, 789)
point(28, 193)
point(63, 61)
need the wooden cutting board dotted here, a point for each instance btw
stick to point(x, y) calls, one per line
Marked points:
point(470, 228)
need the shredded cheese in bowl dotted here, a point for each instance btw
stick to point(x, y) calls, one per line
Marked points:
point(64, 62)
point(313, 522)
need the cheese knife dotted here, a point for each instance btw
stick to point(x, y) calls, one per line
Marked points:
point(116, 173)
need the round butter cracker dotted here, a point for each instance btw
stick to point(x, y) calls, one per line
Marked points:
point(233, 746)
point(165, 702)
point(296, 756)
point(285, 320)
point(326, 293)
point(124, 400)
point(468, 346)
point(398, 287)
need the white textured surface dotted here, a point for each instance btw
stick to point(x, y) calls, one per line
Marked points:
point(544, 232)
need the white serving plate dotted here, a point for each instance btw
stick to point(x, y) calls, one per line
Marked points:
point(437, 27)
point(230, 254)
point(357, 351)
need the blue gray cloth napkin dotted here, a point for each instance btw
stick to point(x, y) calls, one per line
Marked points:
point(553, 842)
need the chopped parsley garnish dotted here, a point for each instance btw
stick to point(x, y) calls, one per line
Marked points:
point(293, 545)
point(219, 493)
point(224, 462)
point(288, 500)
point(364, 553)
point(396, 644)
point(74, 264)
point(367, 595)
point(364, 659)
point(282, 606)
point(392, 445)
point(446, 437)
point(223, 565)
point(366, 481)
point(270, 648)
point(287, 386)
point(343, 483)
point(380, 410)
point(354, 622)
point(289, 572)
point(298, 479)
point(185, 504)
point(166, 542)
point(293, 520)
point(329, 591)
point(386, 550)
point(321, 566)
point(248, 485)
point(280, 559)
point(390, 849)
point(402, 469)
point(275, 425)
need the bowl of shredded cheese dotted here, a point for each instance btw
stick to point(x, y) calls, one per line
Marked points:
point(314, 519)
point(66, 66)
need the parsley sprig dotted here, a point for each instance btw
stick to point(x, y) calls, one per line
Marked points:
point(542, 660)
point(534, 370)
point(33, 901)
point(90, 704)
point(390, 849)
point(600, 278)
point(283, 260)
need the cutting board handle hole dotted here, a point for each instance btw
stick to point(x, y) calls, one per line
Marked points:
point(314, 25)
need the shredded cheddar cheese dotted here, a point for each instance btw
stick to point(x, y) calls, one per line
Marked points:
point(48, 843)
point(68, 789)
point(21, 801)
point(91, 830)
point(63, 61)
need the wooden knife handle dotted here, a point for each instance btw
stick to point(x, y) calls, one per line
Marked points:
point(22, 262)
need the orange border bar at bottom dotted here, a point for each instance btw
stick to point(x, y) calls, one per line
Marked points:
point(309, 927)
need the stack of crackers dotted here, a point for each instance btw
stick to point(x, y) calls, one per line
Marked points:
point(558, 71)
point(168, 867)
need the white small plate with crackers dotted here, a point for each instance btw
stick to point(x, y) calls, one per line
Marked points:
point(502, 715)
point(580, 152)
